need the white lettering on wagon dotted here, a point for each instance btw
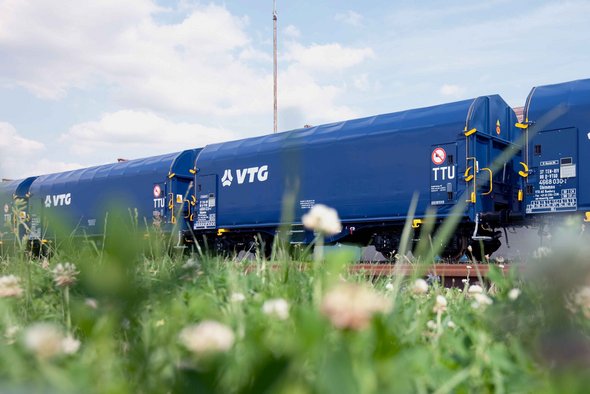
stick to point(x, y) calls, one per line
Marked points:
point(58, 200)
point(445, 173)
point(250, 175)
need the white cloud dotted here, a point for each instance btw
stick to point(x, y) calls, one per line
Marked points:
point(328, 57)
point(361, 82)
point(291, 32)
point(350, 17)
point(20, 156)
point(203, 65)
point(11, 141)
point(46, 166)
point(131, 134)
point(451, 90)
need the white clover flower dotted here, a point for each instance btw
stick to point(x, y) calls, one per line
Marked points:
point(389, 286)
point(451, 324)
point(160, 323)
point(581, 299)
point(45, 340)
point(70, 345)
point(10, 286)
point(420, 286)
point(10, 334)
point(440, 305)
point(191, 264)
point(431, 325)
point(65, 275)
point(468, 267)
point(207, 337)
point(465, 281)
point(322, 219)
point(352, 306)
point(91, 303)
point(501, 266)
point(541, 252)
point(277, 307)
point(237, 297)
point(475, 289)
point(500, 259)
point(514, 294)
point(481, 301)
point(470, 248)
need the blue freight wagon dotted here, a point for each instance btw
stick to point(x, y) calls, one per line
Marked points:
point(368, 169)
point(154, 190)
point(557, 124)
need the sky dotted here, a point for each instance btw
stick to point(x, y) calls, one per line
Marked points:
point(86, 82)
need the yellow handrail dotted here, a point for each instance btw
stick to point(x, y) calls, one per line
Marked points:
point(491, 181)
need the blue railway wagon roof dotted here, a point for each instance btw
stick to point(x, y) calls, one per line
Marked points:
point(82, 197)
point(366, 168)
point(559, 105)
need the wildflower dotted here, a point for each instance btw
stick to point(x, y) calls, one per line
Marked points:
point(207, 337)
point(514, 294)
point(70, 345)
point(431, 324)
point(481, 300)
point(420, 287)
point(277, 307)
point(160, 323)
point(582, 300)
point(541, 252)
point(440, 305)
point(10, 334)
point(65, 275)
point(237, 297)
point(191, 264)
point(500, 260)
point(91, 303)
point(352, 306)
point(322, 219)
point(501, 266)
point(45, 263)
point(10, 286)
point(465, 281)
point(470, 248)
point(44, 340)
point(475, 289)
point(468, 267)
point(389, 286)
point(451, 324)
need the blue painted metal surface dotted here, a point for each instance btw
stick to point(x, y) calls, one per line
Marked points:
point(558, 149)
point(78, 201)
point(368, 169)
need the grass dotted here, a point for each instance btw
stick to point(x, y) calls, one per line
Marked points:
point(128, 307)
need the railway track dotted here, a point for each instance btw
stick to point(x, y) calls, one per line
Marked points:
point(449, 275)
point(441, 270)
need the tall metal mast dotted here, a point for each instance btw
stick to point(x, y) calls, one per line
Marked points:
point(275, 69)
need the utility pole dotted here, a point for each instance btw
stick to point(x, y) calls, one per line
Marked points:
point(275, 69)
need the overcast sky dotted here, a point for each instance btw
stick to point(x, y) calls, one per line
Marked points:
point(86, 82)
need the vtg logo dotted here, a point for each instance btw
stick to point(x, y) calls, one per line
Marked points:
point(253, 174)
point(58, 200)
